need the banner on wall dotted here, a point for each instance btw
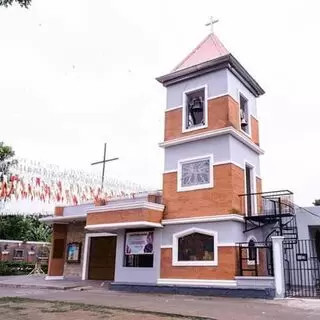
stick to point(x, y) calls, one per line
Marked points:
point(139, 243)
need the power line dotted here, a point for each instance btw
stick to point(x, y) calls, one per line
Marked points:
point(308, 211)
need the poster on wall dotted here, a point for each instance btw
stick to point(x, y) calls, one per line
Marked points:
point(73, 252)
point(139, 243)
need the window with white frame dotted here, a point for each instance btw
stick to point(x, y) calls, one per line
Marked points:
point(195, 247)
point(244, 113)
point(195, 173)
point(195, 109)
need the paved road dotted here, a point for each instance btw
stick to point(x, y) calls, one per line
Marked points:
point(216, 308)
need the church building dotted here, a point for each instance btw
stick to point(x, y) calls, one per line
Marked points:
point(188, 234)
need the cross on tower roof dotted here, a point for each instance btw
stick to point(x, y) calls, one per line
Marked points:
point(211, 23)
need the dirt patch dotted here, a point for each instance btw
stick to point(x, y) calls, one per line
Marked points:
point(24, 309)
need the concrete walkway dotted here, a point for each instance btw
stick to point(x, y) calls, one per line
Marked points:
point(39, 282)
point(214, 308)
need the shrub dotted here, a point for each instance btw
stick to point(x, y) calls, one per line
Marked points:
point(18, 268)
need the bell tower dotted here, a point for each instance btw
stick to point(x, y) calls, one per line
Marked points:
point(211, 136)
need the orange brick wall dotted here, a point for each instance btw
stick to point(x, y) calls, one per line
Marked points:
point(250, 269)
point(221, 199)
point(255, 130)
point(226, 269)
point(56, 266)
point(58, 211)
point(222, 112)
point(259, 197)
point(124, 216)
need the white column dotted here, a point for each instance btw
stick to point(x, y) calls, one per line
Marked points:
point(278, 266)
point(85, 258)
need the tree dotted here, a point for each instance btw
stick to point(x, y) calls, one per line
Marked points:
point(316, 202)
point(6, 155)
point(24, 228)
point(22, 3)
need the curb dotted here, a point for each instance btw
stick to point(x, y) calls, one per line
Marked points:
point(30, 286)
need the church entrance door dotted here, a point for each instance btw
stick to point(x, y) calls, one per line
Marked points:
point(102, 258)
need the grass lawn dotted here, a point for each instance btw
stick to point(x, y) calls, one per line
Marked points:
point(23, 309)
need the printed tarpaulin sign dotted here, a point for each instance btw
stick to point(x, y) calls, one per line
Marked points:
point(139, 243)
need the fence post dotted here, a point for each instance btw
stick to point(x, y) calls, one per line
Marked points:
point(278, 266)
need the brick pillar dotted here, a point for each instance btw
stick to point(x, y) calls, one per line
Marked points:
point(5, 255)
point(31, 256)
point(57, 255)
point(58, 211)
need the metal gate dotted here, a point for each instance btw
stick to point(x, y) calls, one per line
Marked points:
point(302, 269)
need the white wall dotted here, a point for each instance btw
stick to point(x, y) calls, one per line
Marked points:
point(77, 210)
point(218, 146)
point(137, 275)
point(306, 219)
point(228, 231)
point(224, 149)
point(217, 83)
point(239, 153)
point(234, 86)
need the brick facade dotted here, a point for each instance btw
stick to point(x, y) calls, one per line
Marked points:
point(226, 269)
point(222, 112)
point(119, 216)
point(75, 233)
point(28, 251)
point(58, 211)
point(223, 198)
point(259, 197)
point(255, 130)
point(56, 265)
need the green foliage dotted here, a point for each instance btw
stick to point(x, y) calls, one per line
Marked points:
point(24, 228)
point(6, 155)
point(6, 152)
point(316, 202)
point(18, 268)
point(22, 3)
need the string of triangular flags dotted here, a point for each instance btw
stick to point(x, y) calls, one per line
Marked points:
point(37, 181)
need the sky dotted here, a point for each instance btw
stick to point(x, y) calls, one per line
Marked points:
point(75, 74)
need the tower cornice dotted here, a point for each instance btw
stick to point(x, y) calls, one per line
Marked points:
point(227, 61)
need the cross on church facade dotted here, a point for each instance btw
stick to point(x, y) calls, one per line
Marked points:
point(211, 22)
point(104, 161)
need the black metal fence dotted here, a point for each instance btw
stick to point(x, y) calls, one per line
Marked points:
point(255, 259)
point(268, 203)
point(302, 269)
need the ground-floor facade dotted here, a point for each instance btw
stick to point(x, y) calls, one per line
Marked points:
point(131, 244)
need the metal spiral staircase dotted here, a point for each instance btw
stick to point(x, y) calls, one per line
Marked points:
point(275, 216)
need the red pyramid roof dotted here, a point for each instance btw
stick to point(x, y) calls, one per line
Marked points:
point(210, 48)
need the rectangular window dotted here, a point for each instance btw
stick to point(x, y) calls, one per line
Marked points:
point(196, 173)
point(139, 249)
point(250, 187)
point(139, 261)
point(244, 114)
point(18, 254)
point(195, 109)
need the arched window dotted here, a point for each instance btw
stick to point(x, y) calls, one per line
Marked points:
point(253, 253)
point(195, 247)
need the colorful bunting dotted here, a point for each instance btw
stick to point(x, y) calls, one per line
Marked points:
point(35, 181)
